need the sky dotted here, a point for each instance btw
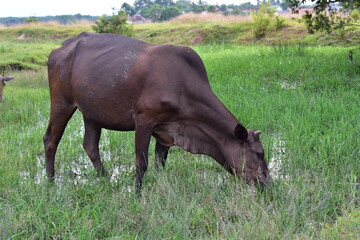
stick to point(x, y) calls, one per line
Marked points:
point(39, 8)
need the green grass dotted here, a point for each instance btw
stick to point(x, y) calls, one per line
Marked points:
point(21, 56)
point(39, 33)
point(303, 99)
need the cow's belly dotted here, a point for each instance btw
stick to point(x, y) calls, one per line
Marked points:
point(107, 109)
point(109, 116)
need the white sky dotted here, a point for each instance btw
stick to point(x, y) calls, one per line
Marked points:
point(39, 8)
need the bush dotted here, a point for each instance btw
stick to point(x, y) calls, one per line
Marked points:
point(261, 25)
point(169, 12)
point(117, 24)
point(262, 19)
point(355, 15)
point(279, 22)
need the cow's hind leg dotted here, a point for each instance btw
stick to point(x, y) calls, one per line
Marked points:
point(91, 145)
point(59, 118)
point(161, 153)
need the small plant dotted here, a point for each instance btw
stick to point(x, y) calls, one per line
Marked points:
point(263, 19)
point(355, 15)
point(261, 25)
point(279, 22)
point(117, 24)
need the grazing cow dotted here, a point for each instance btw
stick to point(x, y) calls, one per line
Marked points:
point(124, 84)
point(2, 85)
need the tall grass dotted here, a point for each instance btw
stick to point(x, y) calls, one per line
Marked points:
point(303, 99)
point(191, 18)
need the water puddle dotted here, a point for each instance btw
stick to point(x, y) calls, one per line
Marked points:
point(288, 86)
point(79, 172)
point(278, 154)
point(42, 121)
point(216, 179)
point(40, 174)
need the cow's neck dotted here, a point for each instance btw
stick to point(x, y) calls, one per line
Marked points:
point(208, 129)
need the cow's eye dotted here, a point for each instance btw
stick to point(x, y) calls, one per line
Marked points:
point(260, 155)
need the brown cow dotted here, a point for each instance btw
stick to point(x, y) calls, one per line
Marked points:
point(2, 85)
point(124, 84)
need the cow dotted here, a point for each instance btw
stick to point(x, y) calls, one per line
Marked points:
point(123, 84)
point(2, 85)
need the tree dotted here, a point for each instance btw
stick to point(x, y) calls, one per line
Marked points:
point(284, 5)
point(169, 12)
point(211, 8)
point(247, 5)
point(128, 9)
point(184, 5)
point(153, 12)
point(323, 4)
point(202, 5)
point(164, 3)
point(325, 15)
point(140, 4)
point(32, 20)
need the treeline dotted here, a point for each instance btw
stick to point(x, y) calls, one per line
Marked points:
point(162, 10)
point(62, 19)
point(156, 10)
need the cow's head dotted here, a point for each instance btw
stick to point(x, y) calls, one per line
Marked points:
point(252, 165)
point(2, 84)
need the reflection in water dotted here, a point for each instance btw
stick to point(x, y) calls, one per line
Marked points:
point(277, 157)
point(79, 171)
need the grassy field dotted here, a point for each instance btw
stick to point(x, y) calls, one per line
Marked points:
point(305, 100)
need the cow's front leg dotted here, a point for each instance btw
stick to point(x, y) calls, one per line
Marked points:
point(142, 141)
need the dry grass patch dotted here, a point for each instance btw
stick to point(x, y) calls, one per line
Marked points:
point(191, 18)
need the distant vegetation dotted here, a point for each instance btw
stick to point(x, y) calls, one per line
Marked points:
point(27, 46)
point(61, 19)
point(163, 10)
point(244, 24)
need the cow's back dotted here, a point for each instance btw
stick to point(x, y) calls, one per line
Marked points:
point(90, 53)
point(110, 77)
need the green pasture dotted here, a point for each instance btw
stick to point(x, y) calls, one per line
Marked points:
point(305, 100)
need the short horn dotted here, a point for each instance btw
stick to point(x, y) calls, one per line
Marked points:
point(257, 133)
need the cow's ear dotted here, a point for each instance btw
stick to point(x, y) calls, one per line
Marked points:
point(6, 79)
point(240, 132)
